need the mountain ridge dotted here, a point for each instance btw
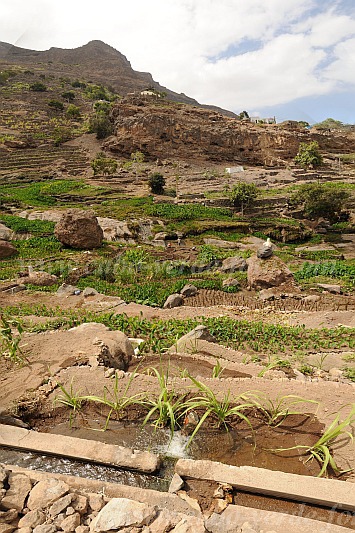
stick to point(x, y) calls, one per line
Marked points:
point(99, 62)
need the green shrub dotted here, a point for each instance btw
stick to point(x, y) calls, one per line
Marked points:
point(308, 155)
point(156, 183)
point(38, 87)
point(55, 104)
point(73, 111)
point(103, 164)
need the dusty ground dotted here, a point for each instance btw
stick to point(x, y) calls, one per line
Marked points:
point(35, 383)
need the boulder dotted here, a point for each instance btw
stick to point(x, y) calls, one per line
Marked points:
point(32, 519)
point(79, 229)
point(89, 291)
point(230, 282)
point(6, 250)
point(20, 486)
point(188, 342)
point(39, 278)
point(234, 264)
point(67, 290)
point(333, 289)
point(264, 252)
point(46, 492)
point(112, 348)
point(115, 230)
point(174, 300)
point(265, 273)
point(189, 290)
point(6, 234)
point(122, 513)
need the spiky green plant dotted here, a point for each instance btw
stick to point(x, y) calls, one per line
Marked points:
point(167, 409)
point(321, 450)
point(220, 410)
point(71, 399)
point(115, 400)
point(276, 411)
point(10, 341)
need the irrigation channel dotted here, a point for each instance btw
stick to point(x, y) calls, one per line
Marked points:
point(226, 447)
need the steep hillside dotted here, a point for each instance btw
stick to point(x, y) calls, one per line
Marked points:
point(99, 63)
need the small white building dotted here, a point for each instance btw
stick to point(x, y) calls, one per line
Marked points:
point(258, 120)
point(234, 170)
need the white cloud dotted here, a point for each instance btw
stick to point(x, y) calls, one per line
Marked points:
point(301, 52)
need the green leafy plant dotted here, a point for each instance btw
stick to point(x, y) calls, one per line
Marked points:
point(220, 410)
point(243, 194)
point(308, 155)
point(156, 183)
point(217, 370)
point(321, 450)
point(167, 408)
point(70, 398)
point(115, 400)
point(103, 164)
point(276, 411)
point(10, 341)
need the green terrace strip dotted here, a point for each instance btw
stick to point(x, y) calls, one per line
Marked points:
point(329, 269)
point(47, 193)
point(238, 334)
point(188, 212)
point(23, 225)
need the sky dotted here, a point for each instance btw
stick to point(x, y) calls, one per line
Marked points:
point(293, 59)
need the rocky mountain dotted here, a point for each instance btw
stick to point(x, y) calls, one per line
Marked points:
point(98, 62)
point(162, 130)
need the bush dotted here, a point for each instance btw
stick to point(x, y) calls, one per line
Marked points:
point(38, 87)
point(55, 104)
point(320, 200)
point(156, 183)
point(243, 194)
point(73, 111)
point(103, 165)
point(68, 96)
point(308, 155)
point(101, 124)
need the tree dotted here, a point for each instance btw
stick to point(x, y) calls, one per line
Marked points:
point(137, 157)
point(101, 124)
point(156, 183)
point(330, 124)
point(103, 164)
point(68, 96)
point(243, 194)
point(308, 155)
point(38, 87)
point(55, 104)
point(73, 111)
point(243, 115)
point(320, 200)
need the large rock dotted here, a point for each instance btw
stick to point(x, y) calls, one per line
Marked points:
point(234, 264)
point(188, 342)
point(265, 273)
point(189, 290)
point(79, 229)
point(6, 234)
point(112, 348)
point(46, 492)
point(115, 230)
point(20, 486)
point(39, 278)
point(123, 513)
point(174, 300)
point(6, 250)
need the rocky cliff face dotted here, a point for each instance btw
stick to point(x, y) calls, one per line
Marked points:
point(161, 129)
